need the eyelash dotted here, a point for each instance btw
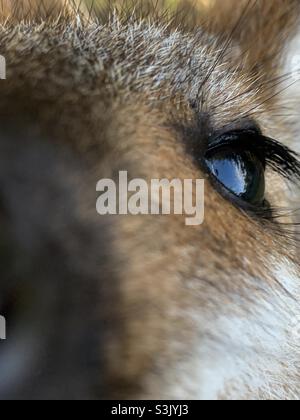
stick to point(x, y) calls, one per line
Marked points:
point(278, 157)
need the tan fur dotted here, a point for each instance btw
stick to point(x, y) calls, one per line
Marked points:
point(171, 311)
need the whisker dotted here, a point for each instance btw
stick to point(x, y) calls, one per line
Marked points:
point(251, 110)
point(228, 42)
point(276, 82)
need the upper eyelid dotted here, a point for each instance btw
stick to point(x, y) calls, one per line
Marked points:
point(243, 125)
point(236, 137)
point(279, 157)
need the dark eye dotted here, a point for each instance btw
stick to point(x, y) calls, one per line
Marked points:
point(238, 161)
point(240, 170)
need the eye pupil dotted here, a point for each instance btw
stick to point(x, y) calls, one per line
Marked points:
point(241, 172)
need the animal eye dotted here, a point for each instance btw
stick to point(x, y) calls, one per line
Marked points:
point(238, 161)
point(239, 171)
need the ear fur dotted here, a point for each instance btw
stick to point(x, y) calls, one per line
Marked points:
point(261, 27)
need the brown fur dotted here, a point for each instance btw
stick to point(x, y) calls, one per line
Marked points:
point(133, 305)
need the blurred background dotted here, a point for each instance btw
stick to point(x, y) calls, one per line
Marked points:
point(167, 4)
point(172, 4)
point(188, 9)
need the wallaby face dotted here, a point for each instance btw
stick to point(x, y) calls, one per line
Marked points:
point(144, 306)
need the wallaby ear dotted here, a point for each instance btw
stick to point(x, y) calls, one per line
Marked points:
point(261, 27)
point(18, 10)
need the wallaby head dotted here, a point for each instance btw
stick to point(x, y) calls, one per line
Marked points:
point(123, 306)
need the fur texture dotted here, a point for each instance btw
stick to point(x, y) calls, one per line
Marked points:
point(142, 307)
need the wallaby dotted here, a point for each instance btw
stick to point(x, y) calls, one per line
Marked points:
point(143, 306)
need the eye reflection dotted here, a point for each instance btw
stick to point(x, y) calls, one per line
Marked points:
point(241, 172)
